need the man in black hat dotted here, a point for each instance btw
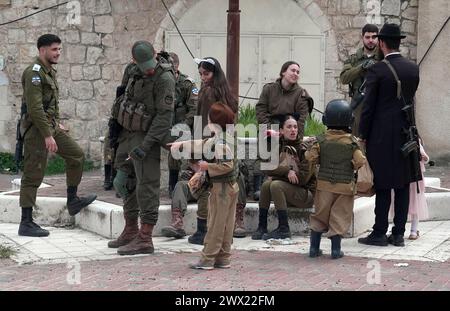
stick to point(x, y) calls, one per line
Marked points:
point(390, 85)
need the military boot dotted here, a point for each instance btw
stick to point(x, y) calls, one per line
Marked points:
point(75, 203)
point(141, 244)
point(108, 182)
point(175, 230)
point(283, 231)
point(239, 229)
point(314, 247)
point(262, 225)
point(336, 247)
point(199, 236)
point(28, 227)
point(128, 234)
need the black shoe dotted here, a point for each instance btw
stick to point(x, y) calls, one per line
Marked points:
point(278, 233)
point(76, 204)
point(29, 228)
point(336, 247)
point(396, 240)
point(199, 236)
point(371, 239)
point(258, 234)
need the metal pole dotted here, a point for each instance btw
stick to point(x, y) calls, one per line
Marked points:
point(233, 34)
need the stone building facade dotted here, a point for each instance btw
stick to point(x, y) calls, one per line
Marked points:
point(96, 47)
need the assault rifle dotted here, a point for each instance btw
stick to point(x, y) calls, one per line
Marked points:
point(411, 147)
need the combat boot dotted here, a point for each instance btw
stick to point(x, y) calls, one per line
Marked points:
point(75, 203)
point(262, 225)
point(199, 236)
point(141, 244)
point(108, 182)
point(239, 228)
point(28, 227)
point(283, 231)
point(128, 234)
point(314, 247)
point(336, 247)
point(175, 230)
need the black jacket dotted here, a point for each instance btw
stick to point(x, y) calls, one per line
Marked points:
point(383, 121)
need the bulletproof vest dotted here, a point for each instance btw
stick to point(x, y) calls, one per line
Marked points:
point(229, 177)
point(135, 109)
point(335, 161)
point(180, 99)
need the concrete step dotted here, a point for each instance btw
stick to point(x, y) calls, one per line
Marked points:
point(107, 220)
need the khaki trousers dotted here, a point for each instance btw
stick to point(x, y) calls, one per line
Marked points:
point(221, 216)
point(332, 213)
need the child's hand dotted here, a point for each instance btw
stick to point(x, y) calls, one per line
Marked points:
point(175, 145)
point(203, 165)
point(272, 133)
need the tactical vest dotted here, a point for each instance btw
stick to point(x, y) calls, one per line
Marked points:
point(134, 115)
point(335, 161)
point(225, 178)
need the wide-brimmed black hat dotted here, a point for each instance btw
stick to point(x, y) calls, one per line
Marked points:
point(390, 31)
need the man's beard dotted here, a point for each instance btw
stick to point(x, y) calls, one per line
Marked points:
point(370, 49)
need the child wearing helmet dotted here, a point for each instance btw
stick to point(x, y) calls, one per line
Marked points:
point(338, 156)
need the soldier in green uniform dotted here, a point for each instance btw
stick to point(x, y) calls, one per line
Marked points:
point(42, 133)
point(145, 112)
point(355, 69)
point(186, 98)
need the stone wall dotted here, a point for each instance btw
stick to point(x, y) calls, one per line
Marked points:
point(96, 50)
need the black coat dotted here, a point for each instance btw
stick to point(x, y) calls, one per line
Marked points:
point(383, 122)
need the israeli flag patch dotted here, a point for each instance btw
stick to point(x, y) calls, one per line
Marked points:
point(36, 67)
point(195, 91)
point(36, 80)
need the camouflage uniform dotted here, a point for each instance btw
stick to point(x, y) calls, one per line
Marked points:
point(353, 74)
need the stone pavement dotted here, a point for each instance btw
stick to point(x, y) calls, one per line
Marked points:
point(49, 264)
point(74, 260)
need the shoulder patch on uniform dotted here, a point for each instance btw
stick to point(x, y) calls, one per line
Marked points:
point(36, 67)
point(36, 80)
point(168, 99)
point(195, 91)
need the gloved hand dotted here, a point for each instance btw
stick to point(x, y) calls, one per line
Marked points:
point(367, 63)
point(138, 154)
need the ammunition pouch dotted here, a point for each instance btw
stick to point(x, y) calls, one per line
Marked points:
point(408, 147)
point(133, 116)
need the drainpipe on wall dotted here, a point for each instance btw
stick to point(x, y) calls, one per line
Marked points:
point(233, 36)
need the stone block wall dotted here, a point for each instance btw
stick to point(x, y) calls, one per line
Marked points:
point(96, 48)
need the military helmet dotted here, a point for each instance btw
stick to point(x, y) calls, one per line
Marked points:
point(338, 113)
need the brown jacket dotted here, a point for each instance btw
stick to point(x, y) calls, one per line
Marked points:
point(358, 160)
point(275, 100)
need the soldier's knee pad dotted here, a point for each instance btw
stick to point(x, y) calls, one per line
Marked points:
point(120, 183)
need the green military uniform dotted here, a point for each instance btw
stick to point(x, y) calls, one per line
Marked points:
point(156, 93)
point(186, 98)
point(353, 74)
point(41, 95)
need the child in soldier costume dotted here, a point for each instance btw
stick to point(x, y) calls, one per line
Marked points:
point(42, 133)
point(221, 176)
point(339, 156)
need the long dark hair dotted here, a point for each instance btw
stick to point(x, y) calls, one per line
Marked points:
point(220, 84)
